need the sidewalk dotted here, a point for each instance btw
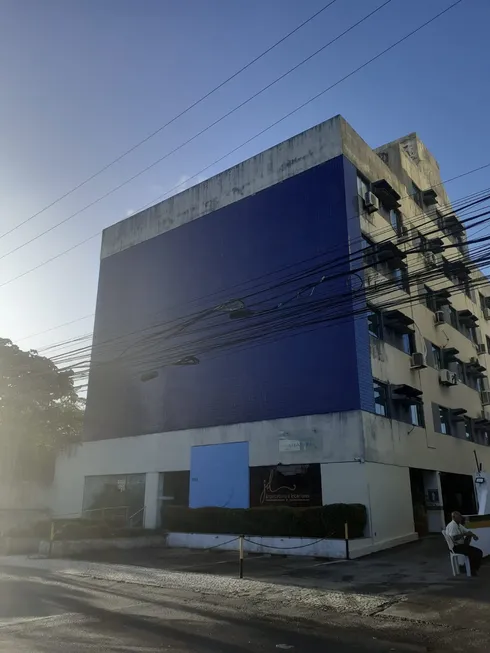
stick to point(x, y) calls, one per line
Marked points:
point(392, 572)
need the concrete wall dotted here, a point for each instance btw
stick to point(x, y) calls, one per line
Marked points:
point(333, 437)
point(250, 200)
point(386, 440)
point(383, 489)
point(344, 483)
point(254, 544)
point(275, 165)
point(390, 499)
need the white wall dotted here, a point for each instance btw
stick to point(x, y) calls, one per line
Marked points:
point(396, 443)
point(344, 483)
point(383, 489)
point(310, 439)
point(390, 500)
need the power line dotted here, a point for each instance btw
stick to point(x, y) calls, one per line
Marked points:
point(192, 138)
point(459, 206)
point(58, 326)
point(309, 272)
point(198, 316)
point(172, 120)
point(285, 321)
point(57, 256)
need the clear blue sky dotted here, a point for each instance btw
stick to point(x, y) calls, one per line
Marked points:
point(83, 80)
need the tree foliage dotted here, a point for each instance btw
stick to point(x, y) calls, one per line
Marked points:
point(40, 412)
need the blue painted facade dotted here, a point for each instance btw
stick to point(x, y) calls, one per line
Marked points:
point(356, 280)
point(289, 369)
point(220, 476)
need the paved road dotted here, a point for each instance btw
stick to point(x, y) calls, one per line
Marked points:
point(45, 611)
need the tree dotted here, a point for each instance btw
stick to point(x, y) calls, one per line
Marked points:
point(40, 413)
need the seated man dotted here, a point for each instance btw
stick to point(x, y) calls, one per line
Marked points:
point(461, 538)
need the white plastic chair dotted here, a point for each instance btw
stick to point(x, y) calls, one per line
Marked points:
point(457, 559)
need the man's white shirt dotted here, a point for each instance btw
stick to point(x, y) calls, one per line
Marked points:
point(456, 532)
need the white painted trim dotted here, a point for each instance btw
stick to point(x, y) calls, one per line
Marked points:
point(365, 546)
point(334, 549)
point(275, 545)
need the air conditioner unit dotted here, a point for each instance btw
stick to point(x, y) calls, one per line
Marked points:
point(417, 361)
point(371, 202)
point(480, 348)
point(485, 397)
point(446, 377)
point(439, 317)
point(486, 313)
point(431, 259)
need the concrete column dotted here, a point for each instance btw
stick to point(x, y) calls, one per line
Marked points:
point(152, 503)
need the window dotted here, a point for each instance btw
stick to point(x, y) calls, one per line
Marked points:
point(423, 242)
point(400, 276)
point(374, 323)
point(488, 344)
point(384, 211)
point(381, 399)
point(369, 249)
point(416, 194)
point(436, 356)
point(395, 218)
point(430, 299)
point(453, 317)
point(408, 343)
point(362, 187)
point(440, 220)
point(483, 304)
point(417, 414)
point(445, 419)
point(459, 369)
point(468, 426)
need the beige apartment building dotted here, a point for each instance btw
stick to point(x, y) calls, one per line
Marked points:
point(390, 408)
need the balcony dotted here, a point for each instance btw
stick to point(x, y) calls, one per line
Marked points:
point(467, 319)
point(385, 192)
point(398, 321)
point(429, 197)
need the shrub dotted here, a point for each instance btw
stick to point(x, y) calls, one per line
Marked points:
point(324, 521)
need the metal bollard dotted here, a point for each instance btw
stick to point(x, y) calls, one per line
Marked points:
point(240, 574)
point(51, 538)
point(346, 536)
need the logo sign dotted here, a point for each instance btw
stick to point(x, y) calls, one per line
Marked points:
point(292, 485)
point(286, 446)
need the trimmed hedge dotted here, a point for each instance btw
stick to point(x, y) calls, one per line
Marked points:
point(324, 521)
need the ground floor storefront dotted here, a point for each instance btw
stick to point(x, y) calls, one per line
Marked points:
point(408, 488)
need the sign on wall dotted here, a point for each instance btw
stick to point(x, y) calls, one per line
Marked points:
point(287, 485)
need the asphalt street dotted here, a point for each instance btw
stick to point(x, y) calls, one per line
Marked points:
point(73, 605)
point(45, 611)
